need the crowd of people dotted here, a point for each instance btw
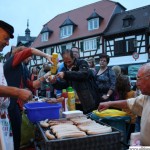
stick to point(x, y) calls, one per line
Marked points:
point(107, 87)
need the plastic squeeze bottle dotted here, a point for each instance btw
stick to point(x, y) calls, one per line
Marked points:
point(48, 92)
point(71, 99)
point(55, 62)
point(59, 94)
point(65, 101)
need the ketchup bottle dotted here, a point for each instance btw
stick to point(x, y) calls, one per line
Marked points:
point(65, 101)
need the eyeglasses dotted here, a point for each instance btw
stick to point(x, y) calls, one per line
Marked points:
point(139, 78)
point(75, 51)
point(103, 61)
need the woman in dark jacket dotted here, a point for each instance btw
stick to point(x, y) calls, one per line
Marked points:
point(105, 79)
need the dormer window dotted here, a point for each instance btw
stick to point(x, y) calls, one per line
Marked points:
point(93, 24)
point(94, 21)
point(66, 31)
point(67, 28)
point(128, 21)
point(45, 34)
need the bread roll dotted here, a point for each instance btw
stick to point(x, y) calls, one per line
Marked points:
point(44, 124)
point(48, 135)
point(71, 134)
point(99, 131)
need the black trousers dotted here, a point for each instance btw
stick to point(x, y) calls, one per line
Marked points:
point(15, 119)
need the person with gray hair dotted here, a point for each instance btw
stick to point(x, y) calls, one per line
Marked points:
point(91, 63)
point(117, 70)
point(139, 105)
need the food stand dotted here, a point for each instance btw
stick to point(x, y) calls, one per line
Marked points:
point(101, 141)
point(104, 141)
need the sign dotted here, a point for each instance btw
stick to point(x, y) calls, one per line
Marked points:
point(135, 55)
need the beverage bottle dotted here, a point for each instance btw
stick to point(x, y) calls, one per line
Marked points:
point(65, 101)
point(48, 92)
point(55, 62)
point(59, 94)
point(37, 92)
point(71, 99)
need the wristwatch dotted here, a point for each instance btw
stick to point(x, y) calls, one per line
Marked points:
point(107, 95)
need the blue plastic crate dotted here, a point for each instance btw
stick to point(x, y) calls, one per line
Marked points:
point(41, 111)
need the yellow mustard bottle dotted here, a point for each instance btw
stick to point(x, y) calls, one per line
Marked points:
point(55, 62)
point(55, 58)
point(71, 99)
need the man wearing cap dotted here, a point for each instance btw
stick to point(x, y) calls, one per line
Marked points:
point(6, 32)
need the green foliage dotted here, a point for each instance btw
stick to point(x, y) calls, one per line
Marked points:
point(1, 57)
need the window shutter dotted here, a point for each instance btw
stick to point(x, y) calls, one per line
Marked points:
point(52, 50)
point(63, 47)
point(81, 45)
point(98, 42)
point(131, 47)
point(73, 45)
point(120, 47)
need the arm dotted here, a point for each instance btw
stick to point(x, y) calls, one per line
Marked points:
point(112, 80)
point(7, 91)
point(117, 104)
point(42, 54)
point(37, 83)
point(78, 73)
point(27, 52)
point(109, 93)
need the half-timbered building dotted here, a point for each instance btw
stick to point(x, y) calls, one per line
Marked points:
point(127, 39)
point(82, 27)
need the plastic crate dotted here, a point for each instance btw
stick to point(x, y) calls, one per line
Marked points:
point(105, 141)
point(41, 111)
point(116, 122)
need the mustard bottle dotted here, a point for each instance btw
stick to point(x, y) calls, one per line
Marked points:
point(55, 62)
point(71, 99)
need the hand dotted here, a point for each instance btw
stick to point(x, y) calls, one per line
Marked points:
point(60, 75)
point(105, 97)
point(25, 95)
point(52, 79)
point(103, 106)
point(49, 58)
point(47, 75)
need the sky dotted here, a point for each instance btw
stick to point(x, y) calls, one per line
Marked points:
point(39, 12)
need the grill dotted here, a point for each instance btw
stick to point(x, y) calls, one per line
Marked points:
point(106, 141)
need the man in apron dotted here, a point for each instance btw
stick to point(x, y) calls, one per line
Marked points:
point(6, 140)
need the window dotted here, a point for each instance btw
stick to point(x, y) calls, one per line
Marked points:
point(124, 47)
point(120, 48)
point(126, 23)
point(90, 44)
point(45, 36)
point(93, 24)
point(133, 69)
point(66, 31)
